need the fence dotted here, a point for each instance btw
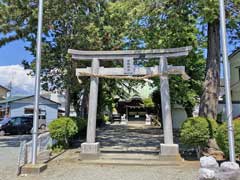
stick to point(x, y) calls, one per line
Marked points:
point(44, 141)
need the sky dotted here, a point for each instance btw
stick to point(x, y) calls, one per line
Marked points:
point(11, 56)
point(21, 82)
point(13, 53)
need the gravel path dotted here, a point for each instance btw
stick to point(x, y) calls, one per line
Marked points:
point(60, 170)
point(132, 137)
point(67, 167)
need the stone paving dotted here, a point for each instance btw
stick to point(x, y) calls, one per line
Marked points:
point(134, 137)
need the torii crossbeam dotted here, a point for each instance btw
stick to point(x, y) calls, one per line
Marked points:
point(91, 147)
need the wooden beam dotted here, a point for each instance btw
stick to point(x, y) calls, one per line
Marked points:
point(136, 54)
point(138, 71)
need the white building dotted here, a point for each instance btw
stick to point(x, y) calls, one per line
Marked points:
point(234, 60)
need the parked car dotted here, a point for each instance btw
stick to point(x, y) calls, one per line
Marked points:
point(42, 124)
point(17, 125)
point(4, 121)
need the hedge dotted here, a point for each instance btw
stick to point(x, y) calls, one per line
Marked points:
point(196, 131)
point(62, 129)
point(222, 137)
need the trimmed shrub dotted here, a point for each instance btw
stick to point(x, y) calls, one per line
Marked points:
point(81, 124)
point(196, 131)
point(62, 129)
point(222, 137)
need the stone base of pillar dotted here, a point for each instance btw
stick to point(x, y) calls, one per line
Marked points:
point(90, 150)
point(169, 149)
point(125, 122)
point(33, 169)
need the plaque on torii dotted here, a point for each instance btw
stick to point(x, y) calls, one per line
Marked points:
point(129, 71)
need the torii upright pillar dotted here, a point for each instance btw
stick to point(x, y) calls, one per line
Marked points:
point(91, 147)
point(168, 148)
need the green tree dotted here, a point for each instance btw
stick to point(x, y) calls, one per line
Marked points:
point(126, 24)
point(169, 24)
point(67, 24)
point(209, 10)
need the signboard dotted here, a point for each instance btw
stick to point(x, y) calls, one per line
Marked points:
point(128, 65)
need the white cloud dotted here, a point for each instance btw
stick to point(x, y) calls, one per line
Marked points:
point(22, 83)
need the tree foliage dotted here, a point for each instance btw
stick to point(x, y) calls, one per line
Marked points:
point(113, 25)
point(209, 11)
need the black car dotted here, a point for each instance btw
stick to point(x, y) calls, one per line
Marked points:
point(17, 125)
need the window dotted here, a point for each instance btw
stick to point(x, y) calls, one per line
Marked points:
point(4, 112)
point(15, 121)
point(26, 120)
point(30, 111)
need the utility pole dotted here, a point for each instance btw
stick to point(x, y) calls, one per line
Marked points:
point(227, 82)
point(37, 84)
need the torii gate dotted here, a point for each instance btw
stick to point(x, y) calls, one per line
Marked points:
point(91, 148)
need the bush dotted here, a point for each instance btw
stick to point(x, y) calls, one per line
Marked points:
point(57, 149)
point(81, 124)
point(62, 129)
point(222, 137)
point(106, 118)
point(148, 102)
point(196, 131)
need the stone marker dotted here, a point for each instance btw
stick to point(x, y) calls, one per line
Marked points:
point(148, 121)
point(229, 171)
point(208, 162)
point(206, 174)
point(210, 170)
point(229, 166)
point(124, 120)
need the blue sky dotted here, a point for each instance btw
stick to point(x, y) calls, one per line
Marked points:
point(13, 53)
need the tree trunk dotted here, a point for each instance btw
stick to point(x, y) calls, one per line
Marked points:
point(209, 99)
point(84, 107)
point(67, 103)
